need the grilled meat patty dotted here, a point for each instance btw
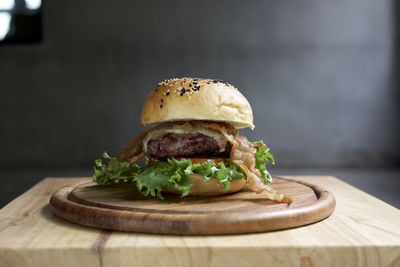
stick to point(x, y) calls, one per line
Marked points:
point(189, 145)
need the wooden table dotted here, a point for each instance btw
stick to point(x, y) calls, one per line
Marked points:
point(362, 231)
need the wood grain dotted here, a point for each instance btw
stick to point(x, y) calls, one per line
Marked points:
point(362, 231)
point(123, 208)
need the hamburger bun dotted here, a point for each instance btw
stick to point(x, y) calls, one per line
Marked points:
point(201, 188)
point(188, 99)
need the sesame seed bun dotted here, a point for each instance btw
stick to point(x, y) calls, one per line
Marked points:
point(197, 99)
point(201, 188)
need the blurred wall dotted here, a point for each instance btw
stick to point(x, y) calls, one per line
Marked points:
point(321, 76)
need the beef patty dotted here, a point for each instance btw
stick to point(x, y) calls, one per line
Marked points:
point(190, 145)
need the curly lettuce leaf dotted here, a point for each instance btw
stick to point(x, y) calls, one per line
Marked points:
point(225, 173)
point(173, 173)
point(114, 171)
point(261, 158)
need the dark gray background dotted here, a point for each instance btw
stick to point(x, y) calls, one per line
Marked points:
point(322, 78)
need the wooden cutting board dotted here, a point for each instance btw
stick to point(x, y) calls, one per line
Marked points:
point(121, 207)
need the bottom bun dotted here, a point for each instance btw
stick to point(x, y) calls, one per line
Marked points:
point(202, 188)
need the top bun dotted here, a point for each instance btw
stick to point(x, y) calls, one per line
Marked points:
point(197, 99)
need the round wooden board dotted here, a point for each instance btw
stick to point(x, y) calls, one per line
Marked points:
point(121, 207)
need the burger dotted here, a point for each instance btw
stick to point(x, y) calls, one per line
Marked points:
point(192, 145)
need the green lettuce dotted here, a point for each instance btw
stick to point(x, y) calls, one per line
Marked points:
point(151, 179)
point(261, 158)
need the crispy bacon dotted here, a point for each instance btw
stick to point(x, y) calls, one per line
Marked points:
point(242, 153)
point(133, 151)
